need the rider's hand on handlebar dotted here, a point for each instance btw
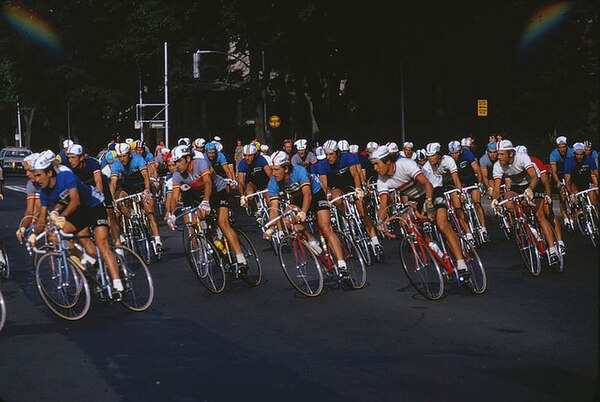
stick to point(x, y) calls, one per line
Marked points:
point(58, 220)
point(243, 201)
point(547, 199)
point(359, 193)
point(428, 208)
point(300, 216)
point(171, 221)
point(20, 233)
point(204, 209)
point(494, 203)
point(268, 233)
point(529, 193)
point(32, 239)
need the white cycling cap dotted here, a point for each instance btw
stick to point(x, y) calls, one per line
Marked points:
point(505, 145)
point(249, 149)
point(354, 149)
point(164, 151)
point(128, 140)
point(393, 147)
point(561, 140)
point(320, 152)
point(301, 144)
point(453, 146)
point(380, 153)
point(184, 141)
point(216, 138)
point(122, 148)
point(343, 145)
point(372, 145)
point(420, 154)
point(280, 158)
point(264, 147)
point(579, 147)
point(67, 143)
point(179, 152)
point(44, 160)
point(199, 142)
point(432, 148)
point(465, 142)
point(521, 149)
point(408, 144)
point(330, 145)
point(75, 149)
point(30, 158)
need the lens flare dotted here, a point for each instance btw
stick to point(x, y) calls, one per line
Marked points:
point(544, 20)
point(32, 27)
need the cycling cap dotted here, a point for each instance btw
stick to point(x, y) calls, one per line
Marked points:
point(249, 149)
point(110, 156)
point(129, 140)
point(264, 147)
point(111, 146)
point(44, 160)
point(432, 148)
point(465, 142)
point(561, 140)
point(353, 149)
point(179, 152)
point(301, 144)
point(218, 146)
point(211, 146)
point(122, 149)
point(521, 149)
point(217, 139)
point(320, 152)
point(164, 151)
point(343, 145)
point(184, 141)
point(453, 146)
point(199, 142)
point(139, 144)
point(505, 145)
point(330, 145)
point(393, 147)
point(67, 143)
point(421, 155)
point(408, 144)
point(380, 153)
point(587, 144)
point(578, 147)
point(29, 159)
point(492, 146)
point(371, 146)
point(75, 149)
point(280, 158)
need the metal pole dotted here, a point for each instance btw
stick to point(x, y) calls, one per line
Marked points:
point(402, 104)
point(166, 100)
point(19, 123)
point(140, 109)
point(265, 97)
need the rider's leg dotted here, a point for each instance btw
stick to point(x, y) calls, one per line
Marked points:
point(441, 220)
point(149, 208)
point(360, 207)
point(113, 226)
point(251, 188)
point(544, 224)
point(324, 222)
point(461, 215)
point(101, 237)
point(229, 233)
point(476, 197)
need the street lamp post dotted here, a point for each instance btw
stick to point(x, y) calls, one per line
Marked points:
point(19, 123)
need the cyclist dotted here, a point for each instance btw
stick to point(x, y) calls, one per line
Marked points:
point(199, 147)
point(77, 208)
point(132, 172)
point(320, 155)
point(306, 194)
point(142, 150)
point(32, 190)
point(405, 176)
point(524, 180)
point(264, 152)
point(195, 180)
point(161, 163)
point(339, 174)
point(469, 174)
point(557, 161)
point(442, 172)
point(62, 155)
point(170, 202)
point(394, 150)
point(580, 172)
point(288, 148)
point(303, 156)
point(368, 172)
point(486, 164)
point(218, 161)
point(590, 152)
point(407, 151)
point(254, 173)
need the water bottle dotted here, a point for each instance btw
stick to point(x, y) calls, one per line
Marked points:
point(220, 246)
point(433, 245)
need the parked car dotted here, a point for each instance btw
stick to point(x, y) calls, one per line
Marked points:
point(11, 158)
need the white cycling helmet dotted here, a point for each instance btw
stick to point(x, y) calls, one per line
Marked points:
point(465, 142)
point(264, 148)
point(199, 142)
point(75, 149)
point(184, 141)
point(393, 147)
point(330, 145)
point(29, 159)
point(280, 158)
point(67, 144)
point(432, 148)
point(380, 153)
point(217, 139)
point(320, 153)
point(122, 149)
point(579, 147)
point(301, 144)
point(164, 151)
point(249, 149)
point(561, 140)
point(521, 149)
point(453, 146)
point(408, 144)
point(372, 145)
point(420, 154)
point(505, 145)
point(343, 145)
point(179, 152)
point(354, 149)
point(129, 140)
point(44, 160)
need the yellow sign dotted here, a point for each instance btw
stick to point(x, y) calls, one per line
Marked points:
point(482, 107)
point(274, 121)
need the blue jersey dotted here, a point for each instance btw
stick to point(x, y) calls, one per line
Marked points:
point(218, 163)
point(466, 173)
point(338, 174)
point(299, 178)
point(148, 157)
point(255, 173)
point(559, 160)
point(131, 172)
point(89, 197)
point(64, 159)
point(581, 173)
point(85, 173)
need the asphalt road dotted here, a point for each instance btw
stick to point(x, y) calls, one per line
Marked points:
point(525, 339)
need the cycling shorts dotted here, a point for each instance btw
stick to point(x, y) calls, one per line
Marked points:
point(318, 201)
point(83, 218)
point(538, 191)
point(217, 200)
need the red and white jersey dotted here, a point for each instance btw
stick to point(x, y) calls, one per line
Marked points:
point(540, 166)
point(403, 179)
point(442, 173)
point(516, 171)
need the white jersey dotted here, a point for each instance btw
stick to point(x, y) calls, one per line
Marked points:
point(516, 171)
point(106, 171)
point(268, 159)
point(413, 156)
point(198, 155)
point(403, 179)
point(441, 174)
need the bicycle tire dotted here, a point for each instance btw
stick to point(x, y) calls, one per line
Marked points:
point(273, 242)
point(357, 273)
point(141, 241)
point(207, 264)
point(253, 275)
point(592, 225)
point(2, 311)
point(527, 249)
point(137, 281)
point(361, 240)
point(421, 268)
point(65, 291)
point(5, 268)
point(477, 280)
point(300, 266)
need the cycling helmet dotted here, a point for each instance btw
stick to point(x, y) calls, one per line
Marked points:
point(432, 148)
point(320, 153)
point(249, 149)
point(179, 152)
point(219, 146)
point(505, 145)
point(465, 142)
point(140, 144)
point(492, 146)
point(216, 138)
point(301, 144)
point(561, 140)
point(453, 146)
point(129, 140)
point(184, 141)
point(75, 149)
point(578, 147)
point(264, 148)
point(164, 151)
point(420, 154)
point(199, 142)
point(44, 160)
point(211, 146)
point(408, 144)
point(29, 159)
point(521, 149)
point(343, 145)
point(372, 145)
point(353, 149)
point(330, 145)
point(587, 144)
point(393, 147)
point(380, 153)
point(280, 158)
point(110, 156)
point(67, 144)
point(122, 149)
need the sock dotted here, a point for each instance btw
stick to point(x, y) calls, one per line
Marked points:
point(562, 243)
point(88, 258)
point(460, 265)
point(315, 245)
point(375, 241)
point(483, 229)
point(552, 250)
point(157, 240)
point(469, 236)
point(241, 259)
point(341, 264)
point(122, 239)
point(118, 285)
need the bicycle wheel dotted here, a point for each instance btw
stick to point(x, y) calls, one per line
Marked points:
point(592, 231)
point(527, 249)
point(5, 267)
point(421, 268)
point(136, 278)
point(477, 280)
point(62, 286)
point(253, 275)
point(141, 242)
point(354, 262)
point(2, 311)
point(206, 264)
point(300, 266)
point(360, 239)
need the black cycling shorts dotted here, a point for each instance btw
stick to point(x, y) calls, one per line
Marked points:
point(108, 198)
point(131, 188)
point(438, 196)
point(318, 201)
point(217, 200)
point(83, 218)
point(538, 191)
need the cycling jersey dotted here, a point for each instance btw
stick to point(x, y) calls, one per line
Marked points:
point(413, 156)
point(441, 175)
point(193, 179)
point(581, 172)
point(169, 183)
point(366, 164)
point(131, 172)
point(148, 157)
point(540, 166)
point(218, 163)
point(160, 161)
point(466, 173)
point(559, 160)
point(308, 160)
point(299, 178)
point(517, 170)
point(402, 179)
point(489, 165)
point(89, 197)
point(255, 173)
point(338, 174)
point(89, 166)
point(63, 159)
